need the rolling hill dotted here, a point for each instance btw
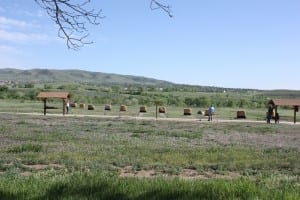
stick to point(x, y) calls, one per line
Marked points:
point(76, 76)
point(107, 79)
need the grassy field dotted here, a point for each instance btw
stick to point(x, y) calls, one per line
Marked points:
point(50, 157)
point(17, 106)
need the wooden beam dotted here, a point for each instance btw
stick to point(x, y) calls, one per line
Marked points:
point(156, 107)
point(296, 109)
point(45, 106)
point(156, 111)
point(294, 116)
point(64, 106)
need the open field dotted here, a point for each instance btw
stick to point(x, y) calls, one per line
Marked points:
point(56, 157)
point(17, 106)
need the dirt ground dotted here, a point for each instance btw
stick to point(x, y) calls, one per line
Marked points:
point(186, 174)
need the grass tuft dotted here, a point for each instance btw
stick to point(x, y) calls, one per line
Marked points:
point(25, 148)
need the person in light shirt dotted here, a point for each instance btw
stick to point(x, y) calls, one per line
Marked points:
point(68, 105)
point(211, 111)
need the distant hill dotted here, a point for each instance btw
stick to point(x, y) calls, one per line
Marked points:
point(76, 76)
point(107, 79)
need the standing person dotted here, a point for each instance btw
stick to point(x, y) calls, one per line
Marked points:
point(269, 114)
point(68, 105)
point(211, 111)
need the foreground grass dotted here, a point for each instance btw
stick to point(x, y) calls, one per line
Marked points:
point(109, 186)
point(44, 157)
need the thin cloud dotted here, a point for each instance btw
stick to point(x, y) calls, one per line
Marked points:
point(13, 23)
point(8, 49)
point(23, 37)
point(20, 31)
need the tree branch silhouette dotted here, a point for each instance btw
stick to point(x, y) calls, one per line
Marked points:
point(155, 4)
point(72, 18)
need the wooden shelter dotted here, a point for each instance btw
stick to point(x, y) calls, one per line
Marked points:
point(54, 95)
point(295, 103)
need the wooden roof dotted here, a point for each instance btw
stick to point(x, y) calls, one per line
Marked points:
point(285, 102)
point(60, 95)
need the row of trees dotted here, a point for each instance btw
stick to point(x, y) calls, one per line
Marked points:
point(24, 94)
point(109, 95)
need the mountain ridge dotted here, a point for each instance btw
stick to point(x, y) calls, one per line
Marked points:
point(44, 75)
point(75, 75)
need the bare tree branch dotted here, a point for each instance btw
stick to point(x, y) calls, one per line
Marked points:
point(156, 4)
point(71, 19)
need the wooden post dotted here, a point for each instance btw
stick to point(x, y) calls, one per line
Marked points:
point(64, 107)
point(45, 106)
point(296, 109)
point(156, 105)
point(295, 116)
point(156, 111)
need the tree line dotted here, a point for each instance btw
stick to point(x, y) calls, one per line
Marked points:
point(116, 95)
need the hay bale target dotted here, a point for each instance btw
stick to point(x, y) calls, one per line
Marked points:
point(91, 107)
point(82, 105)
point(143, 109)
point(241, 114)
point(73, 105)
point(107, 107)
point(187, 111)
point(200, 112)
point(123, 108)
point(162, 109)
point(206, 112)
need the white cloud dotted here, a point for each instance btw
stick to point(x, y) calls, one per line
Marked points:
point(16, 31)
point(23, 37)
point(12, 23)
point(8, 49)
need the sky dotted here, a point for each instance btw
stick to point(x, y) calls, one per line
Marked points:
point(225, 43)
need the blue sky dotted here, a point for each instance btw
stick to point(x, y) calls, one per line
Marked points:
point(226, 43)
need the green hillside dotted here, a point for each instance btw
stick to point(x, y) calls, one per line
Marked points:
point(75, 76)
point(74, 80)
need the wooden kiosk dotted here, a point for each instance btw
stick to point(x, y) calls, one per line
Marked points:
point(295, 103)
point(54, 95)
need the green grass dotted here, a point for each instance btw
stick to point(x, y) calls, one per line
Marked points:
point(25, 148)
point(109, 186)
point(50, 157)
point(17, 106)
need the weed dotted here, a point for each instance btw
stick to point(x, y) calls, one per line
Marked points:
point(25, 148)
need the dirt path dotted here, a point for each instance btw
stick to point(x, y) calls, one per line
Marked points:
point(216, 120)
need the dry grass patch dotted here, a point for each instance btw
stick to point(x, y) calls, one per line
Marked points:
point(26, 174)
point(129, 171)
point(38, 167)
point(186, 174)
